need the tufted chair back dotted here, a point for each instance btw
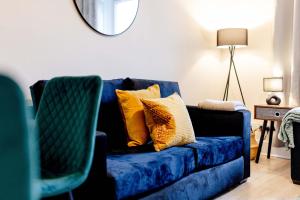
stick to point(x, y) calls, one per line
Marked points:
point(67, 118)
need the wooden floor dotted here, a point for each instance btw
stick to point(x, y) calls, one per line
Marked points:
point(270, 180)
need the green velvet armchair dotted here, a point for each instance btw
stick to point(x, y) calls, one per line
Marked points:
point(67, 118)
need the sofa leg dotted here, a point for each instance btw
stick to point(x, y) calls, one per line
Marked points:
point(243, 181)
point(297, 182)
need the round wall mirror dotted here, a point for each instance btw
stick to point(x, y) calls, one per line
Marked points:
point(109, 17)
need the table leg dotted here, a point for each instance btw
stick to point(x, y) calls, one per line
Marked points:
point(262, 136)
point(270, 139)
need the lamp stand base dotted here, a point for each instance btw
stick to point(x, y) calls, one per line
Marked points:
point(232, 64)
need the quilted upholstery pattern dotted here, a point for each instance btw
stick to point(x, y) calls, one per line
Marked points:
point(67, 117)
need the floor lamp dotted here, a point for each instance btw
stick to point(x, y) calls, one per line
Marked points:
point(232, 38)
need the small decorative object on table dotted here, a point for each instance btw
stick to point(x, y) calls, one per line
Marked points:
point(273, 84)
point(271, 113)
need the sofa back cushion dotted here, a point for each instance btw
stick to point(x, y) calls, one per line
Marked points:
point(36, 91)
point(110, 118)
point(167, 88)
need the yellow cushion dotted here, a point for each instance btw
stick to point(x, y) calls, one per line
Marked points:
point(133, 113)
point(168, 121)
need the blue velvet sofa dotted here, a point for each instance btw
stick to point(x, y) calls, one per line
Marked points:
point(218, 161)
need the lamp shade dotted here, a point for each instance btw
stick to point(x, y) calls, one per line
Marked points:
point(232, 37)
point(273, 84)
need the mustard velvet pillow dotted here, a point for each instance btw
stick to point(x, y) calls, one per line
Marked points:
point(133, 113)
point(168, 121)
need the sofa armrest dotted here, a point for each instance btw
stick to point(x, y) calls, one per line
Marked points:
point(224, 123)
point(98, 172)
point(98, 168)
point(220, 123)
point(295, 152)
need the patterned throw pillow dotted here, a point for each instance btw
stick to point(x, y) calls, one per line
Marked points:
point(168, 121)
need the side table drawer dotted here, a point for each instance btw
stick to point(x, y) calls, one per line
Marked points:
point(270, 113)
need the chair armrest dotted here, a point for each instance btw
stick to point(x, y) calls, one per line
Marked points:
point(224, 123)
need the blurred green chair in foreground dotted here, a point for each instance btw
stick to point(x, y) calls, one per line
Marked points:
point(18, 153)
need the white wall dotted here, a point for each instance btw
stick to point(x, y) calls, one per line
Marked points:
point(41, 39)
point(170, 40)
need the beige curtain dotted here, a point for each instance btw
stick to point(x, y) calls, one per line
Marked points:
point(287, 47)
point(88, 10)
point(294, 96)
point(286, 38)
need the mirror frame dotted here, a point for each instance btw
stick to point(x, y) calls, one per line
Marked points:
point(104, 34)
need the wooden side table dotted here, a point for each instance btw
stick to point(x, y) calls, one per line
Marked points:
point(268, 113)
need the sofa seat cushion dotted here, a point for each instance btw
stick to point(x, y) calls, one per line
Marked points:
point(212, 151)
point(134, 174)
